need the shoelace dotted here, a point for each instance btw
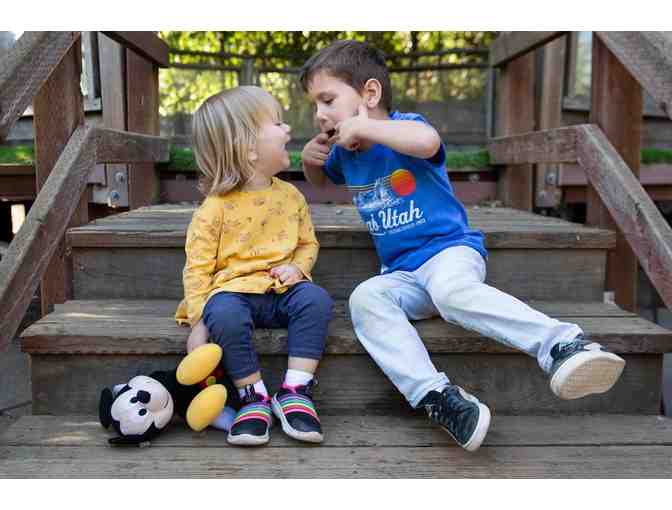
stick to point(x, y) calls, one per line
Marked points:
point(571, 347)
point(448, 408)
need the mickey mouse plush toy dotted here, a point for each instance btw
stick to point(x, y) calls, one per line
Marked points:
point(197, 390)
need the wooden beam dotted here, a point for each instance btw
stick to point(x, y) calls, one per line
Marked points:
point(124, 147)
point(549, 146)
point(512, 45)
point(648, 57)
point(617, 101)
point(25, 68)
point(146, 44)
point(637, 217)
point(33, 246)
point(58, 111)
point(517, 113)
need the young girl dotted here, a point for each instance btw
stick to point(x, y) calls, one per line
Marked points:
point(250, 249)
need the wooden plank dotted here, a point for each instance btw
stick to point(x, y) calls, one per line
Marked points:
point(17, 187)
point(122, 146)
point(57, 113)
point(648, 58)
point(7, 170)
point(547, 192)
point(344, 462)
point(142, 95)
point(557, 145)
point(637, 217)
point(25, 68)
point(515, 185)
point(511, 45)
point(353, 385)
point(617, 110)
point(657, 174)
point(39, 237)
point(146, 44)
point(549, 274)
point(368, 431)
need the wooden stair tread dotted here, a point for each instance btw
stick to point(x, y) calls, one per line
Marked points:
point(357, 447)
point(340, 226)
point(147, 327)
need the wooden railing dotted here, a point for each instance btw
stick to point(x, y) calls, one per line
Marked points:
point(44, 68)
point(608, 150)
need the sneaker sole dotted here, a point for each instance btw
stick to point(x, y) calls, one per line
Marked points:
point(248, 439)
point(308, 437)
point(481, 429)
point(587, 373)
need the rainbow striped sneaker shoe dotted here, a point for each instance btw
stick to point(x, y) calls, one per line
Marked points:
point(293, 406)
point(252, 424)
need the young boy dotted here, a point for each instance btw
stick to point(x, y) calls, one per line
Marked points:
point(432, 262)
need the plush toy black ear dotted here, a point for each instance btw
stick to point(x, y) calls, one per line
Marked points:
point(135, 439)
point(105, 408)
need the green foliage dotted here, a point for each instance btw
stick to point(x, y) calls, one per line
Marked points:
point(183, 90)
point(17, 155)
point(651, 156)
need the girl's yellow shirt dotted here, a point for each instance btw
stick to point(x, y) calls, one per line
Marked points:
point(235, 239)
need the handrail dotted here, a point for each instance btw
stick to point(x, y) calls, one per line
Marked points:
point(632, 209)
point(648, 57)
point(28, 255)
point(145, 44)
point(25, 68)
point(512, 45)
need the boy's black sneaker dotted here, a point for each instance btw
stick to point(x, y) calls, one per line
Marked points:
point(460, 414)
point(252, 423)
point(583, 368)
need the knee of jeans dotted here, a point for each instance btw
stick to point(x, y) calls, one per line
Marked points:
point(317, 300)
point(362, 298)
point(226, 323)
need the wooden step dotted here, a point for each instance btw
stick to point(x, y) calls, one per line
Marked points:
point(93, 344)
point(601, 446)
point(140, 254)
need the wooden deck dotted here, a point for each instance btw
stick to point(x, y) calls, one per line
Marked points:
point(355, 447)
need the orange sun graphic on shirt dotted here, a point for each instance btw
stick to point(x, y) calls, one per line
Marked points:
point(402, 182)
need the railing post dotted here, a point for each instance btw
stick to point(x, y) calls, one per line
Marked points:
point(58, 111)
point(617, 109)
point(515, 115)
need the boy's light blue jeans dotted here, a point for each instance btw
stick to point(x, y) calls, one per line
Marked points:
point(450, 284)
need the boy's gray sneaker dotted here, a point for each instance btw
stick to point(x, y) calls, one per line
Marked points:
point(581, 368)
point(460, 414)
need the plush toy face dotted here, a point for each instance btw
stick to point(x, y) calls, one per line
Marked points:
point(138, 410)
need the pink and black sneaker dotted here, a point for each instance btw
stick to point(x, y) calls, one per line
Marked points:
point(252, 423)
point(294, 407)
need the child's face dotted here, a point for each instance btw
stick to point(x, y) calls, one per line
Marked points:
point(272, 155)
point(334, 100)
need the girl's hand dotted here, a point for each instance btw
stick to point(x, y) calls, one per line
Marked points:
point(198, 336)
point(288, 274)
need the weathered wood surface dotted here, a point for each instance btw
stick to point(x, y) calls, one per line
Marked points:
point(368, 431)
point(556, 145)
point(58, 110)
point(517, 113)
point(637, 217)
point(512, 45)
point(147, 327)
point(340, 226)
point(115, 146)
point(549, 274)
point(648, 57)
point(354, 385)
point(616, 100)
point(146, 44)
point(24, 69)
point(37, 240)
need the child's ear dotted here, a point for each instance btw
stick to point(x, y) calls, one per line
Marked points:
point(373, 92)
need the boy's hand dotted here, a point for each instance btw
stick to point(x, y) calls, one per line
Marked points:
point(288, 274)
point(198, 336)
point(350, 131)
point(316, 152)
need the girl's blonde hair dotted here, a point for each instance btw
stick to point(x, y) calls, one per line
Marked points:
point(224, 131)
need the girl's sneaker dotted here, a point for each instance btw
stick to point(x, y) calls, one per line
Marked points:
point(460, 414)
point(583, 368)
point(294, 407)
point(252, 423)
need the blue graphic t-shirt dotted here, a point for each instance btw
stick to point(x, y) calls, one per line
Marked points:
point(407, 203)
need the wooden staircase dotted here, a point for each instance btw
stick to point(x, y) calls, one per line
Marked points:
point(127, 282)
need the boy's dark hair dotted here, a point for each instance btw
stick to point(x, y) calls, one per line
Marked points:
point(353, 62)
